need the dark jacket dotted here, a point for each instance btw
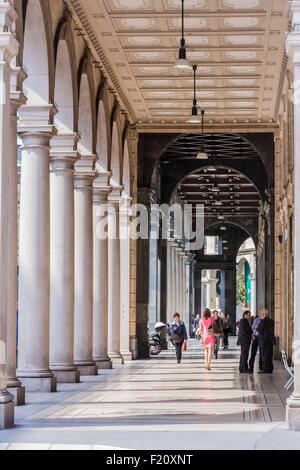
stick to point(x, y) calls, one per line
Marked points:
point(180, 330)
point(245, 332)
point(266, 330)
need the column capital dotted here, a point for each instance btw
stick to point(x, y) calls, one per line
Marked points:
point(9, 46)
point(100, 194)
point(115, 196)
point(63, 153)
point(37, 120)
point(86, 164)
point(103, 178)
point(84, 180)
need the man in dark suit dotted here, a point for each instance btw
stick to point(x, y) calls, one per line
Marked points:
point(244, 340)
point(266, 330)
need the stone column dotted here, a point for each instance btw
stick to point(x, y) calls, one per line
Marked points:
point(83, 326)
point(198, 291)
point(178, 281)
point(13, 383)
point(100, 295)
point(230, 294)
point(145, 196)
point(293, 49)
point(169, 278)
point(34, 249)
point(173, 281)
point(8, 49)
point(63, 158)
point(125, 214)
point(114, 299)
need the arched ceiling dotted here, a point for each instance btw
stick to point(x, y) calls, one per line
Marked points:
point(222, 192)
point(238, 46)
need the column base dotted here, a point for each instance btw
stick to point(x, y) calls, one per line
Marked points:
point(126, 356)
point(66, 376)
point(15, 388)
point(293, 412)
point(38, 382)
point(7, 410)
point(134, 347)
point(103, 364)
point(18, 394)
point(116, 358)
point(87, 369)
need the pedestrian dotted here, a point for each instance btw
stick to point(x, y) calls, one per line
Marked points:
point(244, 340)
point(218, 328)
point(196, 325)
point(255, 346)
point(266, 330)
point(179, 335)
point(208, 339)
point(226, 330)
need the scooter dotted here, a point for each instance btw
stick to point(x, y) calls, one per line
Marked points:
point(155, 341)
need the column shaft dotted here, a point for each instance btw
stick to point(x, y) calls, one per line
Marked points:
point(114, 281)
point(34, 252)
point(8, 49)
point(100, 295)
point(13, 383)
point(125, 279)
point(62, 260)
point(83, 326)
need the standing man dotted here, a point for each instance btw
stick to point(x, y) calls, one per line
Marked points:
point(244, 340)
point(266, 330)
point(255, 346)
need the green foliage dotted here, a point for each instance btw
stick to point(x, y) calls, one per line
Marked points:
point(241, 293)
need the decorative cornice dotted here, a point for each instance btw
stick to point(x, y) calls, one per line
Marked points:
point(77, 8)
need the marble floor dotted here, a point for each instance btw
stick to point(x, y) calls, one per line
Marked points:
point(157, 404)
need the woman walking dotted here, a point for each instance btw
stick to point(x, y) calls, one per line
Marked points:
point(179, 335)
point(208, 339)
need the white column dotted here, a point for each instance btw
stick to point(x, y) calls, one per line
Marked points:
point(114, 299)
point(177, 280)
point(63, 158)
point(293, 49)
point(34, 251)
point(13, 383)
point(125, 214)
point(173, 282)
point(100, 295)
point(8, 49)
point(83, 326)
point(169, 271)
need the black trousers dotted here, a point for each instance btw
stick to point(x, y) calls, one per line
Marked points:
point(254, 348)
point(178, 347)
point(267, 349)
point(245, 348)
point(226, 337)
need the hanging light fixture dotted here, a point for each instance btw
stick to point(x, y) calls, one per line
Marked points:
point(182, 62)
point(215, 188)
point(202, 155)
point(195, 119)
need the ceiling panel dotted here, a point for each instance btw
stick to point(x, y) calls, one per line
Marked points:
point(238, 46)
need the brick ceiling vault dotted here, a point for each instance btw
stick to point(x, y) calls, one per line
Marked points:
point(238, 46)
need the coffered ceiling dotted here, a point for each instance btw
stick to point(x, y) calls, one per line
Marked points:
point(238, 46)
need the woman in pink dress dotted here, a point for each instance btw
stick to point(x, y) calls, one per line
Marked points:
point(208, 339)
